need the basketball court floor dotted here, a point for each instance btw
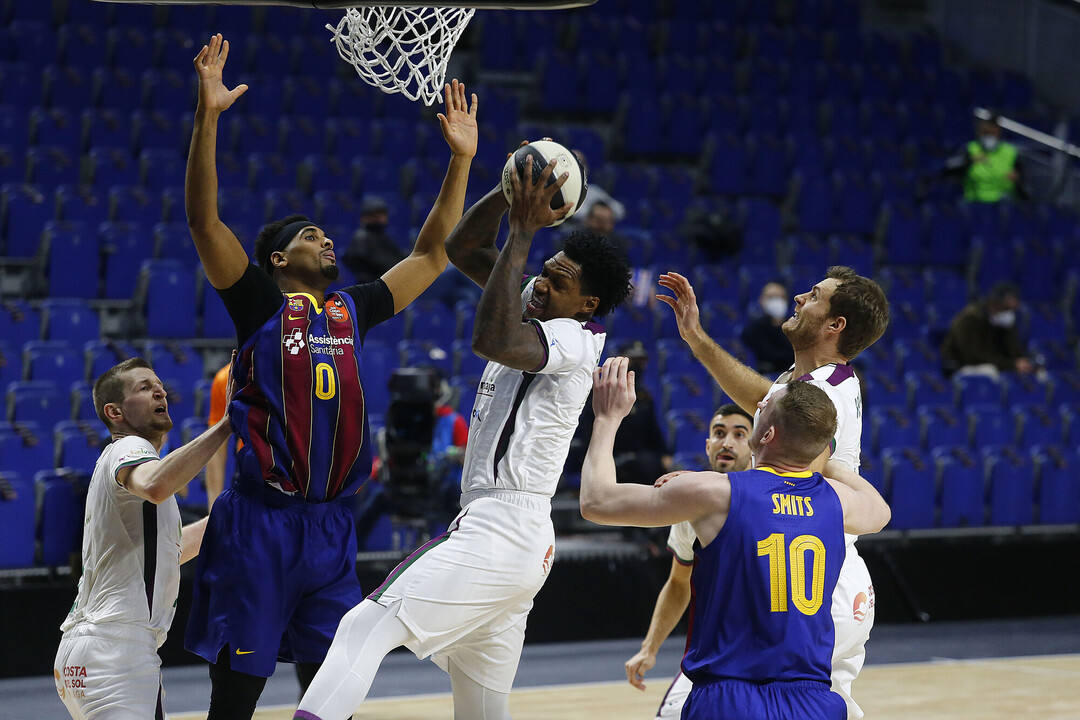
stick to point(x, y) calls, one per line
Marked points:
point(990, 670)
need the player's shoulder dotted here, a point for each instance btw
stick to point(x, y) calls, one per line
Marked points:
point(130, 448)
point(838, 380)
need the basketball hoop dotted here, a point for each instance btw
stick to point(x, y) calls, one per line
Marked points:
point(401, 49)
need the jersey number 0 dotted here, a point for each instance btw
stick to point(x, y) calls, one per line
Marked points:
point(773, 547)
point(325, 382)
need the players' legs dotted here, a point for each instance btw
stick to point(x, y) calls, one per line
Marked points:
point(233, 694)
point(366, 634)
point(305, 673)
point(473, 701)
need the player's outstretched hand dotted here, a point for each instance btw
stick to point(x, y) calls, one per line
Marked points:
point(214, 97)
point(684, 303)
point(230, 388)
point(530, 205)
point(613, 389)
point(459, 122)
point(637, 666)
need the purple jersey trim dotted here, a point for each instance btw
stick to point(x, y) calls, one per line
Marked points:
point(305, 715)
point(594, 327)
point(684, 563)
point(840, 374)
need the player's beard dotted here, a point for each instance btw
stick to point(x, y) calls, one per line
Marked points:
point(802, 333)
point(330, 271)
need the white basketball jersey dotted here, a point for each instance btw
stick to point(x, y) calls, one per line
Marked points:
point(130, 551)
point(522, 422)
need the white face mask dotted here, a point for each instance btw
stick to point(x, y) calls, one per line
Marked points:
point(1003, 319)
point(775, 307)
point(989, 142)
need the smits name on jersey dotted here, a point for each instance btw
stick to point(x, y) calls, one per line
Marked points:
point(784, 504)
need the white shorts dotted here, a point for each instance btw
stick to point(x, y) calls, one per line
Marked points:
point(466, 594)
point(674, 699)
point(853, 617)
point(109, 672)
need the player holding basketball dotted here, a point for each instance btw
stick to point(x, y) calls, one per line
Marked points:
point(107, 664)
point(728, 449)
point(278, 566)
point(833, 322)
point(759, 645)
point(463, 598)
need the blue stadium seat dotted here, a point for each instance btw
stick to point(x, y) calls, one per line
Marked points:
point(431, 321)
point(884, 387)
point(157, 130)
point(56, 127)
point(103, 354)
point(917, 354)
point(83, 45)
point(728, 170)
point(160, 168)
point(894, 426)
point(111, 166)
point(36, 402)
point(70, 320)
point(912, 480)
point(927, 388)
point(54, 361)
point(74, 258)
point(466, 362)
point(1037, 425)
point(978, 389)
point(79, 444)
point(962, 488)
point(814, 206)
point(686, 428)
point(166, 286)
point(70, 87)
point(82, 399)
point(82, 204)
point(124, 247)
point(1066, 386)
point(11, 364)
point(16, 520)
point(25, 210)
point(684, 391)
point(943, 425)
point(61, 501)
point(19, 323)
point(1012, 489)
point(121, 89)
point(991, 425)
point(173, 241)
point(1059, 485)
point(424, 353)
point(21, 86)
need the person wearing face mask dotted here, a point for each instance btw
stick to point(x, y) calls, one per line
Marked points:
point(983, 338)
point(372, 251)
point(990, 166)
point(763, 334)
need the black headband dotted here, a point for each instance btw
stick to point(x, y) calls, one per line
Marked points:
point(283, 238)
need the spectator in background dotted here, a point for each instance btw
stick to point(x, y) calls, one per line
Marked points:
point(641, 452)
point(596, 194)
point(990, 166)
point(983, 338)
point(763, 335)
point(372, 251)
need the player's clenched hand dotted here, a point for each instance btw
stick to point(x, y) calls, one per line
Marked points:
point(684, 303)
point(637, 666)
point(613, 389)
point(530, 203)
point(214, 97)
point(459, 122)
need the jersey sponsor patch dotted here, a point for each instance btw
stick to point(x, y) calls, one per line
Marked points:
point(294, 342)
point(336, 311)
point(864, 603)
point(549, 557)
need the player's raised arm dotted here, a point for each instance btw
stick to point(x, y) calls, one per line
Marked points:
point(428, 259)
point(222, 256)
point(865, 511)
point(471, 245)
point(158, 480)
point(689, 496)
point(499, 334)
point(741, 383)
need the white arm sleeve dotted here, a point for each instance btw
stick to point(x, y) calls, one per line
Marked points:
point(680, 542)
point(129, 452)
point(565, 345)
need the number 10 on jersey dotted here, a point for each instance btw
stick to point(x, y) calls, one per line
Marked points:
point(790, 560)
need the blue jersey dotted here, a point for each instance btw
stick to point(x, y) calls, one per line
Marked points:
point(761, 591)
point(300, 405)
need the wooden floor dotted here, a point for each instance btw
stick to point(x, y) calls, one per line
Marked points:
point(1045, 687)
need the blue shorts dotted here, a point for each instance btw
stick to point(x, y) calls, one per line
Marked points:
point(273, 579)
point(741, 700)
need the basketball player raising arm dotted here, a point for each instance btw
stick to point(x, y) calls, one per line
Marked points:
point(133, 545)
point(742, 520)
point(299, 411)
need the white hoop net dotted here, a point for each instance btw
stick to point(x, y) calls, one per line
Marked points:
point(401, 49)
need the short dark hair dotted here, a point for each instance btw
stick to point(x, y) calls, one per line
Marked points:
point(109, 388)
point(806, 420)
point(862, 303)
point(605, 270)
point(733, 409)
point(265, 238)
point(1003, 290)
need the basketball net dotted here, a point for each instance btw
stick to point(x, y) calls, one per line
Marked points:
point(401, 49)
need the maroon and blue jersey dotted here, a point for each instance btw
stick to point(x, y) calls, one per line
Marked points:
point(299, 406)
point(761, 592)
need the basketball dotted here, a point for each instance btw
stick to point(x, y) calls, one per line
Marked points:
point(543, 152)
